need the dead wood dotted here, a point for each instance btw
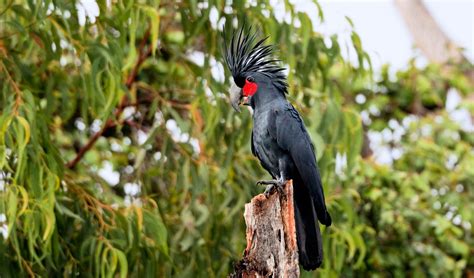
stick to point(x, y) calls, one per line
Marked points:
point(271, 250)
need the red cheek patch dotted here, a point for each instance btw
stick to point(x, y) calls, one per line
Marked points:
point(250, 88)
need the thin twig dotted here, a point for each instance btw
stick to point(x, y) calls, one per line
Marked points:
point(7, 7)
point(15, 87)
point(143, 55)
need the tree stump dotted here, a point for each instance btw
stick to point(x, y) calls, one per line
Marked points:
point(271, 250)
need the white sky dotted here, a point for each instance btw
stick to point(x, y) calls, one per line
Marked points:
point(383, 33)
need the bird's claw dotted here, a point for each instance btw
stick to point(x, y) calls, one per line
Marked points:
point(272, 185)
point(271, 188)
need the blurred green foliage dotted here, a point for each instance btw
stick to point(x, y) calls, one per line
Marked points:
point(119, 153)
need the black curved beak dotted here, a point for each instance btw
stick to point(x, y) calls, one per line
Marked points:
point(235, 97)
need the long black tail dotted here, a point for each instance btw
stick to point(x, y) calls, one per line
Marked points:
point(308, 235)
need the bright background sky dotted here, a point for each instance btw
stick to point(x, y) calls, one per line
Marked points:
point(383, 32)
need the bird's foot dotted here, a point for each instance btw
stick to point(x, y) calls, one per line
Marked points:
point(272, 185)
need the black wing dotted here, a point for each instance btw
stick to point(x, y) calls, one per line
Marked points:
point(291, 135)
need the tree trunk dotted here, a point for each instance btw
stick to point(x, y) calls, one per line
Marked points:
point(427, 34)
point(271, 250)
point(435, 45)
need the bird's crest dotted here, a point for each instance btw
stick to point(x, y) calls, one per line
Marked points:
point(246, 54)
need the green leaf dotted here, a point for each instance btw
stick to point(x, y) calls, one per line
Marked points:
point(154, 16)
point(155, 228)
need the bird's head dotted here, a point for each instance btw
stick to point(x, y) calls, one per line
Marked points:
point(252, 66)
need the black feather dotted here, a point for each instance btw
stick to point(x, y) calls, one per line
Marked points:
point(245, 55)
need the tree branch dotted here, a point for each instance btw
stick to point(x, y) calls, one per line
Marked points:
point(144, 52)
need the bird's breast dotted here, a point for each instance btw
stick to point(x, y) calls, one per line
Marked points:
point(266, 147)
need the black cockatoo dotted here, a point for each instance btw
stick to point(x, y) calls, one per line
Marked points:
point(279, 138)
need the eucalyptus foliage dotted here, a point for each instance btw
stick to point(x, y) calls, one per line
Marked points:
point(119, 154)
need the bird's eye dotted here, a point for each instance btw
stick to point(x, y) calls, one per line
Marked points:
point(250, 79)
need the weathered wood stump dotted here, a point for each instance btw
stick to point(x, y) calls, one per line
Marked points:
point(271, 250)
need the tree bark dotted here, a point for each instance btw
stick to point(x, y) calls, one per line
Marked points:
point(272, 250)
